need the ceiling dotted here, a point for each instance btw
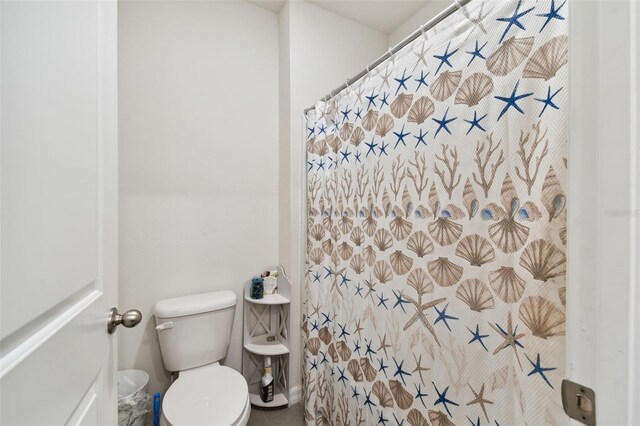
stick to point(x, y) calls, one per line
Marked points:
point(382, 15)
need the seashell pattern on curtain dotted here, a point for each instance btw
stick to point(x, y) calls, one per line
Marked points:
point(436, 252)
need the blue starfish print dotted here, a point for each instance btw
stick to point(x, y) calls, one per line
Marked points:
point(332, 162)
point(336, 125)
point(384, 100)
point(381, 418)
point(402, 81)
point(316, 277)
point(553, 14)
point(328, 271)
point(322, 129)
point(368, 401)
point(324, 358)
point(421, 80)
point(372, 147)
point(369, 350)
point(345, 155)
point(372, 100)
point(358, 114)
point(477, 52)
point(444, 58)
point(357, 347)
point(442, 123)
point(327, 320)
point(475, 122)
point(344, 280)
point(420, 138)
point(442, 316)
point(343, 331)
point(342, 377)
point(314, 325)
point(420, 395)
point(442, 399)
point(400, 137)
point(399, 301)
point(354, 392)
point(516, 342)
point(320, 165)
point(345, 114)
point(539, 369)
point(513, 20)
point(357, 154)
point(310, 163)
point(382, 367)
point(548, 101)
point(312, 131)
point(400, 371)
point(382, 301)
point(474, 423)
point(398, 422)
point(314, 364)
point(359, 290)
point(477, 336)
point(383, 149)
point(512, 101)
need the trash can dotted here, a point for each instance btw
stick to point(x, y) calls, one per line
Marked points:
point(134, 401)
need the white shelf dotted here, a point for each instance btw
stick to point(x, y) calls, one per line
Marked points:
point(278, 400)
point(270, 299)
point(262, 347)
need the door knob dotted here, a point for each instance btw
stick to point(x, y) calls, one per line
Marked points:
point(129, 319)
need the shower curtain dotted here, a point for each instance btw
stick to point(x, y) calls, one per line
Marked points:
point(435, 283)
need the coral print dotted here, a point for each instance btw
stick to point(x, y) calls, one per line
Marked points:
point(436, 251)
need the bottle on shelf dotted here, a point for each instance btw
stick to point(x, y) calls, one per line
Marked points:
point(266, 393)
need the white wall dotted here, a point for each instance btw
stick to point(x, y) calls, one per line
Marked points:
point(424, 15)
point(198, 87)
point(322, 50)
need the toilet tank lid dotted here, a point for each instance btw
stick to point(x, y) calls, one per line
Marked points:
point(194, 304)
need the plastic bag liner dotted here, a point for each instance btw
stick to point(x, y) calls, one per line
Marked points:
point(134, 401)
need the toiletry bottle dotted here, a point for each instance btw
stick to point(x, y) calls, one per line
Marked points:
point(266, 393)
point(257, 288)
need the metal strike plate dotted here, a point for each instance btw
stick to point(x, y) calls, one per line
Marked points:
point(579, 402)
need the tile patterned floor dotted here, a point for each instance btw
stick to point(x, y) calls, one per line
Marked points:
point(292, 416)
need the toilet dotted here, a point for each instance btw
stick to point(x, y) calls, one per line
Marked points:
point(194, 333)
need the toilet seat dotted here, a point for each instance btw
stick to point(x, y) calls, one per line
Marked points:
point(207, 396)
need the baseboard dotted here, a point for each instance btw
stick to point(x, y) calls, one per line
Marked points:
point(295, 395)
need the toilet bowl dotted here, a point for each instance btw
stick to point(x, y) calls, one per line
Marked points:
point(209, 395)
point(194, 334)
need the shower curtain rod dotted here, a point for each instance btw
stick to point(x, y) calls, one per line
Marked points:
point(458, 4)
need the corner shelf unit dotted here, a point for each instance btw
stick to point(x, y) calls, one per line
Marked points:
point(266, 333)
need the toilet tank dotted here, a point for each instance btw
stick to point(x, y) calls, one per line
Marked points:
point(195, 330)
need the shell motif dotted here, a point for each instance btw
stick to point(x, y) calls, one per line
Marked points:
point(316, 255)
point(345, 223)
point(335, 233)
point(310, 145)
point(415, 418)
point(444, 272)
point(542, 317)
point(400, 227)
point(370, 225)
point(327, 246)
point(421, 110)
point(475, 249)
point(476, 294)
point(422, 212)
point(507, 284)
point(509, 235)
point(381, 392)
point(445, 231)
point(419, 280)
point(434, 200)
point(401, 105)
point(400, 262)
point(470, 199)
point(563, 235)
point(325, 335)
point(445, 84)
point(403, 398)
point(321, 148)
point(370, 119)
point(357, 263)
point(548, 59)
point(382, 271)
point(334, 143)
point(420, 244)
point(508, 195)
point(345, 131)
point(562, 294)
point(544, 260)
point(553, 198)
point(357, 136)
point(317, 232)
point(382, 239)
point(438, 418)
point(509, 55)
point(345, 251)
point(335, 259)
point(368, 370)
point(452, 212)
point(357, 236)
point(475, 88)
point(407, 202)
point(385, 123)
point(369, 255)
point(313, 345)
point(354, 369)
point(529, 212)
point(343, 350)
point(332, 352)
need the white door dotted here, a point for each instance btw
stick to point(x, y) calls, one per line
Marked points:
point(58, 212)
point(603, 288)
